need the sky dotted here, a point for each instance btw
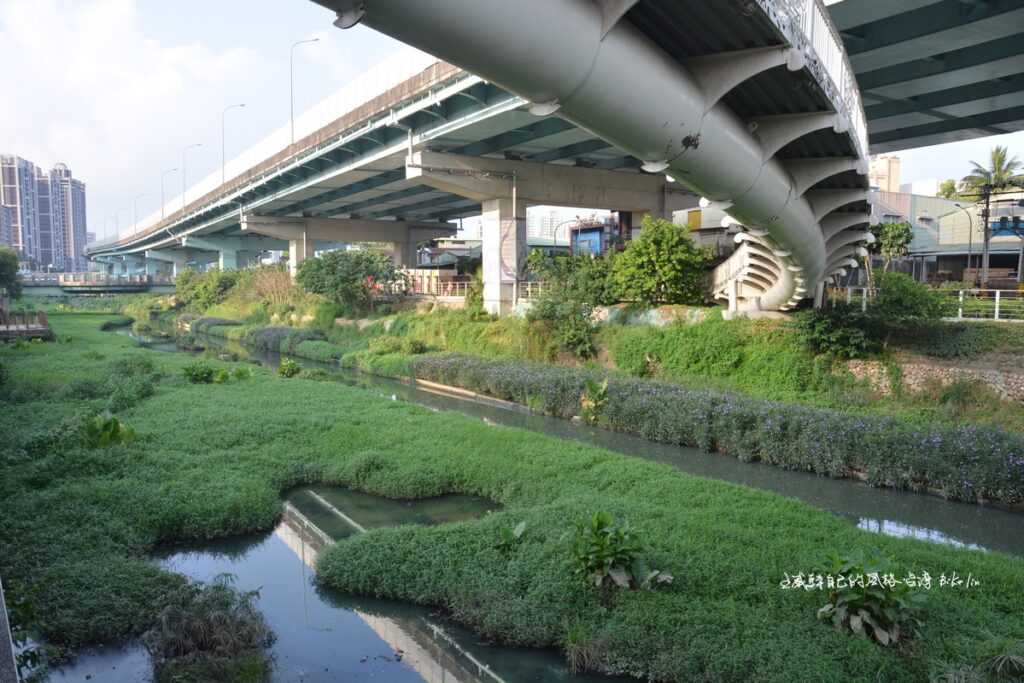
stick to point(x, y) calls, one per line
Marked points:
point(117, 88)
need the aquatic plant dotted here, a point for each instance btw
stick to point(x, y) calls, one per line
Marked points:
point(509, 537)
point(863, 602)
point(207, 632)
point(106, 430)
point(608, 554)
point(288, 368)
point(198, 373)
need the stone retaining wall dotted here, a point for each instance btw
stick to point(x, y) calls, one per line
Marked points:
point(916, 377)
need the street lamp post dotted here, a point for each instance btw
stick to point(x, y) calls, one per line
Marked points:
point(223, 157)
point(970, 234)
point(163, 177)
point(135, 212)
point(291, 79)
point(183, 174)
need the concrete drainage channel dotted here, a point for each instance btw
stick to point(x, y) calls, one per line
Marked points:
point(323, 635)
point(879, 510)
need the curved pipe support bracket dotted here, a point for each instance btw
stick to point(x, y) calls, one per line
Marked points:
point(718, 74)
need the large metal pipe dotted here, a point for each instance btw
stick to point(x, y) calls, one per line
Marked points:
point(624, 89)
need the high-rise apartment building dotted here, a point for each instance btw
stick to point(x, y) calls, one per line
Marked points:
point(42, 214)
point(69, 193)
point(884, 172)
point(18, 192)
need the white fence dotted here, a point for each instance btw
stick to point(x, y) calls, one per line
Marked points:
point(998, 305)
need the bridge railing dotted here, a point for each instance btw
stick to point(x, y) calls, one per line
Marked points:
point(998, 305)
point(105, 279)
point(821, 42)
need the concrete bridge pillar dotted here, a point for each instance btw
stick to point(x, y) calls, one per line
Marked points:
point(503, 252)
point(233, 252)
point(177, 259)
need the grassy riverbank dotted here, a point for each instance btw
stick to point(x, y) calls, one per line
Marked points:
point(212, 460)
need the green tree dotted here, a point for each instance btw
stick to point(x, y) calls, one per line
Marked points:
point(901, 301)
point(351, 278)
point(891, 240)
point(661, 266)
point(1002, 171)
point(948, 189)
point(573, 285)
point(9, 279)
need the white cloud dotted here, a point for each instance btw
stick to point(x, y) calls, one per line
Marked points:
point(92, 90)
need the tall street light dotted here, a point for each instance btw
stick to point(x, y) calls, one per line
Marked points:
point(183, 174)
point(970, 234)
point(135, 213)
point(291, 78)
point(163, 177)
point(223, 156)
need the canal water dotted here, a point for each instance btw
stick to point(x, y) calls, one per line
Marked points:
point(880, 510)
point(323, 635)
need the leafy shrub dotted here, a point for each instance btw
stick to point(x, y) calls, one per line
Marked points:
point(840, 330)
point(126, 391)
point(288, 368)
point(106, 430)
point(573, 285)
point(509, 537)
point(85, 388)
point(384, 345)
point(221, 376)
point(593, 400)
point(201, 291)
point(661, 266)
point(207, 631)
point(413, 346)
point(902, 300)
point(349, 278)
point(241, 373)
point(607, 554)
point(198, 373)
point(475, 295)
point(865, 605)
point(961, 463)
point(4, 374)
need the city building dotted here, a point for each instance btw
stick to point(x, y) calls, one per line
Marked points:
point(42, 215)
point(18, 193)
point(884, 173)
point(69, 194)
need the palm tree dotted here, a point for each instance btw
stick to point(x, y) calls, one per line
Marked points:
point(1002, 172)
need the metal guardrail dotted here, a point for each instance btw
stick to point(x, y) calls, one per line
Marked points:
point(107, 280)
point(818, 37)
point(997, 305)
point(528, 290)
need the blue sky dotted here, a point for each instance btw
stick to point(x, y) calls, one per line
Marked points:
point(116, 89)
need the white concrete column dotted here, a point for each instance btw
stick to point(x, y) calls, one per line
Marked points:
point(227, 259)
point(503, 251)
point(404, 254)
point(298, 251)
point(152, 267)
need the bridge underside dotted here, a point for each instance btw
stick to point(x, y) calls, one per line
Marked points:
point(935, 71)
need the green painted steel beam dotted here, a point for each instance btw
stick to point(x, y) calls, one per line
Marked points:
point(944, 98)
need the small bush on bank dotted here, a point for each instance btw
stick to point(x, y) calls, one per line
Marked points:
point(861, 603)
point(839, 330)
point(961, 463)
point(607, 554)
point(106, 430)
point(288, 368)
point(198, 373)
point(210, 632)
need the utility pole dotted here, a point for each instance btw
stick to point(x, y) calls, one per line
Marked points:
point(986, 235)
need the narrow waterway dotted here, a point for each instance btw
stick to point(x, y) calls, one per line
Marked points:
point(323, 635)
point(880, 510)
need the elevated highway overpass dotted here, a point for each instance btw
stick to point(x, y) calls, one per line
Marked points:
point(752, 105)
point(935, 71)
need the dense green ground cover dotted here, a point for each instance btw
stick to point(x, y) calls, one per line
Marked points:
point(212, 460)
